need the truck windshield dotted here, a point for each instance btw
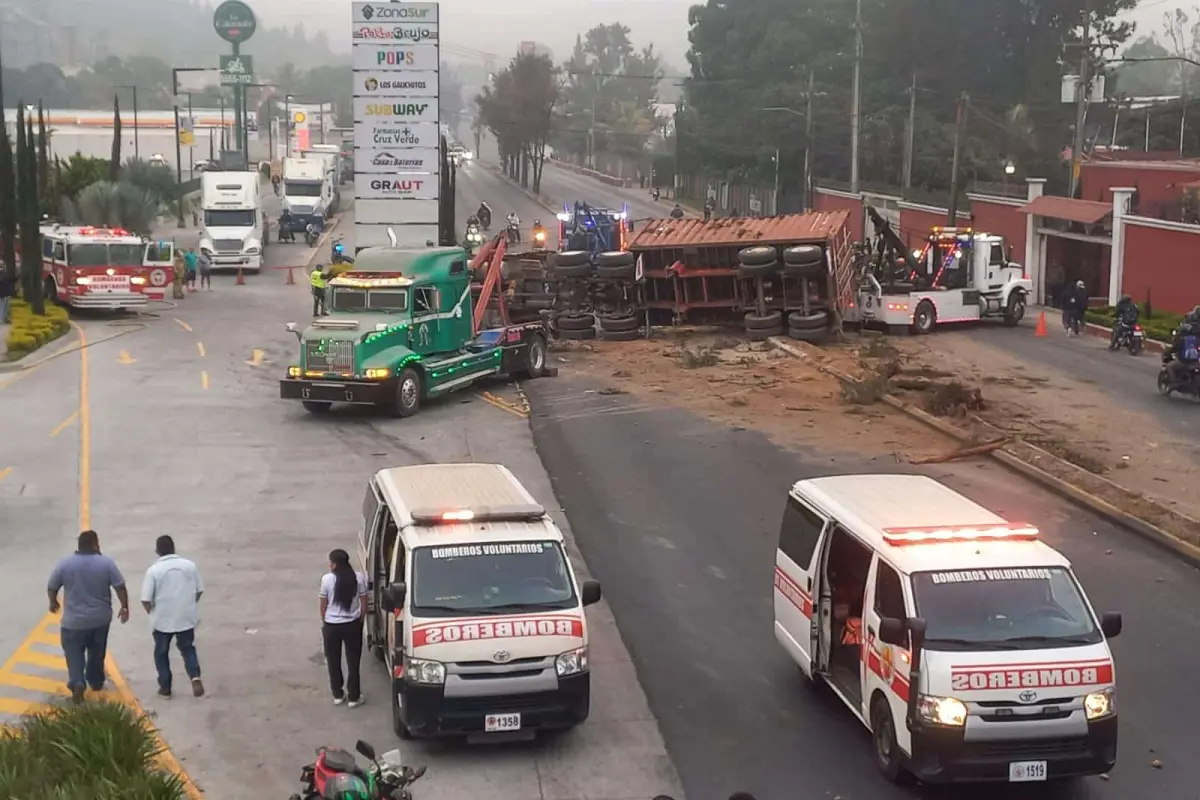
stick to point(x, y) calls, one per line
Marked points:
point(229, 218)
point(302, 188)
point(105, 255)
point(492, 578)
point(389, 300)
point(1003, 609)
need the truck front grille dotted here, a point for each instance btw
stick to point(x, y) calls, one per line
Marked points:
point(329, 356)
point(228, 245)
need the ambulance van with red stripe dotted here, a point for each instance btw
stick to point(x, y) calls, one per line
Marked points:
point(474, 606)
point(964, 644)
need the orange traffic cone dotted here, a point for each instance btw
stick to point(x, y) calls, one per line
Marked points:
point(1040, 329)
point(291, 279)
point(241, 279)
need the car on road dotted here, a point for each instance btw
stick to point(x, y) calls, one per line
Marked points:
point(964, 644)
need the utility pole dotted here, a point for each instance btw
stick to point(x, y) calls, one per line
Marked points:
point(960, 132)
point(857, 101)
point(911, 132)
point(808, 144)
point(1081, 93)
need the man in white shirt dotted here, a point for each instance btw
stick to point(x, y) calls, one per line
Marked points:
point(170, 593)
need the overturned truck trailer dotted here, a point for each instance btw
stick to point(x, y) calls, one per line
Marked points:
point(791, 274)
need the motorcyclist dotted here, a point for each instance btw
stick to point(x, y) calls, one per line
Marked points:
point(1125, 316)
point(539, 232)
point(485, 215)
point(286, 234)
point(472, 220)
point(1074, 305)
point(655, 193)
point(677, 212)
point(514, 226)
point(1184, 352)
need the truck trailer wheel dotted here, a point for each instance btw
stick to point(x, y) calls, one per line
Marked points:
point(1014, 312)
point(583, 270)
point(571, 258)
point(803, 255)
point(535, 358)
point(615, 258)
point(924, 318)
point(813, 270)
point(576, 322)
point(757, 256)
point(315, 407)
point(769, 321)
point(408, 393)
point(630, 322)
point(616, 272)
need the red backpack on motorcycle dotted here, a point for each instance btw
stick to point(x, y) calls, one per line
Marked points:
point(331, 762)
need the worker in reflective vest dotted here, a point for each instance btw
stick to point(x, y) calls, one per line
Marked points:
point(317, 279)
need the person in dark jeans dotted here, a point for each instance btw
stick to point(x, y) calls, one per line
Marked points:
point(343, 606)
point(170, 593)
point(87, 579)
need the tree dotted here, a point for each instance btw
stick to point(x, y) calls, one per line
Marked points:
point(518, 108)
point(30, 217)
point(114, 163)
point(118, 205)
point(43, 164)
point(1148, 79)
point(610, 93)
point(8, 200)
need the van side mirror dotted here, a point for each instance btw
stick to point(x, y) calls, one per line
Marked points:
point(393, 597)
point(589, 593)
point(365, 749)
point(891, 631)
point(293, 328)
point(1111, 624)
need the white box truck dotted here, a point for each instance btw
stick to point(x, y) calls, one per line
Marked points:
point(234, 235)
point(331, 155)
point(308, 189)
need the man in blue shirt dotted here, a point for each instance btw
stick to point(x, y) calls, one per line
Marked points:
point(87, 579)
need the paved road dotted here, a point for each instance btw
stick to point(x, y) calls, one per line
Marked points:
point(678, 517)
point(185, 435)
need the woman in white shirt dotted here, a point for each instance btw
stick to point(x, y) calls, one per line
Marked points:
point(343, 607)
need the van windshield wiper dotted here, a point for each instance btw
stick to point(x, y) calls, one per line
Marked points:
point(503, 607)
point(982, 645)
point(1050, 640)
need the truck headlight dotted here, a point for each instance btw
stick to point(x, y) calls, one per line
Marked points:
point(137, 280)
point(208, 251)
point(253, 250)
point(948, 711)
point(1099, 705)
point(420, 670)
point(82, 280)
point(294, 372)
point(572, 662)
point(376, 374)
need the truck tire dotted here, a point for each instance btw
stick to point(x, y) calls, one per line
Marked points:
point(589, 333)
point(629, 322)
point(50, 290)
point(756, 256)
point(770, 321)
point(620, 336)
point(818, 320)
point(924, 318)
point(576, 322)
point(814, 270)
point(616, 272)
point(758, 270)
point(803, 255)
point(762, 334)
point(408, 393)
point(583, 270)
point(315, 407)
point(810, 335)
point(535, 357)
point(888, 759)
point(615, 258)
point(572, 258)
point(1014, 312)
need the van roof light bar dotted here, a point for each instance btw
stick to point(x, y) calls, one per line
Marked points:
point(451, 516)
point(1006, 532)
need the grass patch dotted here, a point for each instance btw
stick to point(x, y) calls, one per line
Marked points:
point(1158, 325)
point(30, 331)
point(91, 751)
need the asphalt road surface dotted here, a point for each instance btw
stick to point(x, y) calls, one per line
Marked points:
point(678, 517)
point(177, 428)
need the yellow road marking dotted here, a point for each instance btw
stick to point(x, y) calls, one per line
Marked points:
point(11, 705)
point(85, 437)
point(125, 358)
point(203, 379)
point(183, 325)
point(62, 426)
point(5, 472)
point(256, 358)
point(200, 347)
point(33, 683)
point(46, 660)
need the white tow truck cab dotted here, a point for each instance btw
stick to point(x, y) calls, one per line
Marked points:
point(235, 229)
point(959, 275)
point(307, 189)
point(965, 644)
point(474, 606)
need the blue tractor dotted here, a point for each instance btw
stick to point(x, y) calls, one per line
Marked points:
point(592, 230)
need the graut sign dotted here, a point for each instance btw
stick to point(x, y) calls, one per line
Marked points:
point(397, 186)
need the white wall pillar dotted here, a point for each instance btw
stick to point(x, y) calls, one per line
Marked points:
point(1034, 253)
point(1122, 197)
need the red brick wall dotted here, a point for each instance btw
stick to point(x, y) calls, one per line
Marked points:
point(833, 202)
point(915, 224)
point(1159, 190)
point(1165, 262)
point(1004, 220)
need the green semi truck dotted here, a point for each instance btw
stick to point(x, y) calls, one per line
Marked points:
point(402, 329)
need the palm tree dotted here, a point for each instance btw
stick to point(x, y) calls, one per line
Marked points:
point(121, 205)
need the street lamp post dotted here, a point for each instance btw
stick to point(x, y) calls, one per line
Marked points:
point(807, 117)
point(136, 146)
point(178, 147)
point(287, 125)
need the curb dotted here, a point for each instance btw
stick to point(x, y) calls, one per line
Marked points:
point(1188, 551)
point(66, 344)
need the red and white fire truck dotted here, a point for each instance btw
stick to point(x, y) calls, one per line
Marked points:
point(104, 268)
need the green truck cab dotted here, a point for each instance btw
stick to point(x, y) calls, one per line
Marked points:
point(400, 330)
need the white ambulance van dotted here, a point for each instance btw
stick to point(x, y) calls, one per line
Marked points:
point(474, 606)
point(964, 644)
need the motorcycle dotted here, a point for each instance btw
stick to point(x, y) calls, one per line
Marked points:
point(388, 780)
point(485, 219)
point(1130, 337)
point(655, 194)
point(1167, 386)
point(473, 240)
point(311, 236)
point(514, 233)
point(539, 239)
point(337, 253)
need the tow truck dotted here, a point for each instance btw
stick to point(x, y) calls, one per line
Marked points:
point(958, 275)
point(407, 325)
point(104, 268)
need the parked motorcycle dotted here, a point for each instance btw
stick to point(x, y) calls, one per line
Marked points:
point(1129, 337)
point(336, 772)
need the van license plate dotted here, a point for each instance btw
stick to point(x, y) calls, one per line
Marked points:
point(498, 723)
point(1026, 771)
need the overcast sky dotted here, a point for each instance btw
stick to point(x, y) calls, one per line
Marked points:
point(471, 28)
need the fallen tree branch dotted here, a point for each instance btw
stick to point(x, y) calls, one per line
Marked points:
point(966, 452)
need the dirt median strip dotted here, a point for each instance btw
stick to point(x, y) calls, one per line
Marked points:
point(1133, 511)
